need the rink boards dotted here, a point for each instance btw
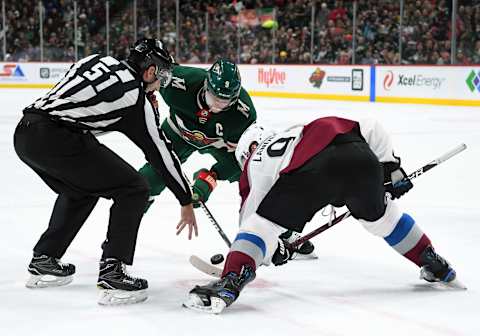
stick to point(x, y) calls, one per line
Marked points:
point(438, 85)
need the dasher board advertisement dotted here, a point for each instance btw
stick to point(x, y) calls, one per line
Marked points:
point(428, 84)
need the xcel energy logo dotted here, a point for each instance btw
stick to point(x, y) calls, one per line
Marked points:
point(388, 81)
point(411, 81)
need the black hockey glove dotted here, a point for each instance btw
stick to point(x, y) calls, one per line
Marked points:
point(396, 180)
point(283, 253)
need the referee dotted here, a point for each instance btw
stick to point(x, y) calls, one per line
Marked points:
point(56, 138)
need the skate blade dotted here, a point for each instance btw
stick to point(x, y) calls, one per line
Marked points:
point(299, 256)
point(194, 302)
point(44, 281)
point(115, 297)
point(454, 285)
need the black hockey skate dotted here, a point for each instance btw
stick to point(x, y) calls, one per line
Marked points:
point(117, 287)
point(437, 269)
point(304, 251)
point(47, 271)
point(217, 295)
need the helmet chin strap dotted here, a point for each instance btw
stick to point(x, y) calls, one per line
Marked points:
point(216, 110)
point(210, 100)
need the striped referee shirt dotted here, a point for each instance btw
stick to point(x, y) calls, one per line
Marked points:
point(100, 94)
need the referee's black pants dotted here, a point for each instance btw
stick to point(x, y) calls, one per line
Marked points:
point(81, 170)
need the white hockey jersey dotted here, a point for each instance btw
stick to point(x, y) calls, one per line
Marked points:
point(290, 149)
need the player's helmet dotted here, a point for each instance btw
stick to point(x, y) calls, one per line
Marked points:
point(148, 52)
point(222, 85)
point(252, 137)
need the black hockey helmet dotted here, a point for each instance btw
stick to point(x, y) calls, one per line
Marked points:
point(148, 52)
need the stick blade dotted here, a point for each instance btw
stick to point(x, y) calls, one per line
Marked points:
point(205, 267)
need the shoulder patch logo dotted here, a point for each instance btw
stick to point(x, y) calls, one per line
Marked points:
point(179, 83)
point(243, 108)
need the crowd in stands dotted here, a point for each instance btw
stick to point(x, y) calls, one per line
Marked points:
point(287, 38)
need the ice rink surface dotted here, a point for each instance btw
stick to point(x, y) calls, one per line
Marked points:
point(358, 286)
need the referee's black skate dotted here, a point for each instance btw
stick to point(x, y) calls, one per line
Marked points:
point(437, 269)
point(47, 271)
point(304, 251)
point(217, 295)
point(117, 287)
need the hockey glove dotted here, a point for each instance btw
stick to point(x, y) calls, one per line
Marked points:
point(283, 253)
point(396, 180)
point(205, 182)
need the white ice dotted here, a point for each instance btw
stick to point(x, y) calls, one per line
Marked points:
point(358, 286)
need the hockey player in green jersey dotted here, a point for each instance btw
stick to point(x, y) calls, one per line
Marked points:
point(209, 110)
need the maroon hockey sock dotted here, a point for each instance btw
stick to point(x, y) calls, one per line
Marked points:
point(408, 239)
point(414, 254)
point(235, 261)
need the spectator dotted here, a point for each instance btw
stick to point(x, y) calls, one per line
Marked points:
point(476, 53)
point(426, 32)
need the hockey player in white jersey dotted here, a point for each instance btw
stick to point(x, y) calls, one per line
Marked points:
point(289, 176)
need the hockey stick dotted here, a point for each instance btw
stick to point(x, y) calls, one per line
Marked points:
point(205, 267)
point(413, 175)
point(319, 230)
point(197, 262)
point(215, 223)
point(215, 271)
point(436, 162)
point(210, 217)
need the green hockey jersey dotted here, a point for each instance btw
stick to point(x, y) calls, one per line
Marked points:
point(190, 118)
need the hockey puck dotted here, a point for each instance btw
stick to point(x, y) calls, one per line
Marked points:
point(217, 259)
